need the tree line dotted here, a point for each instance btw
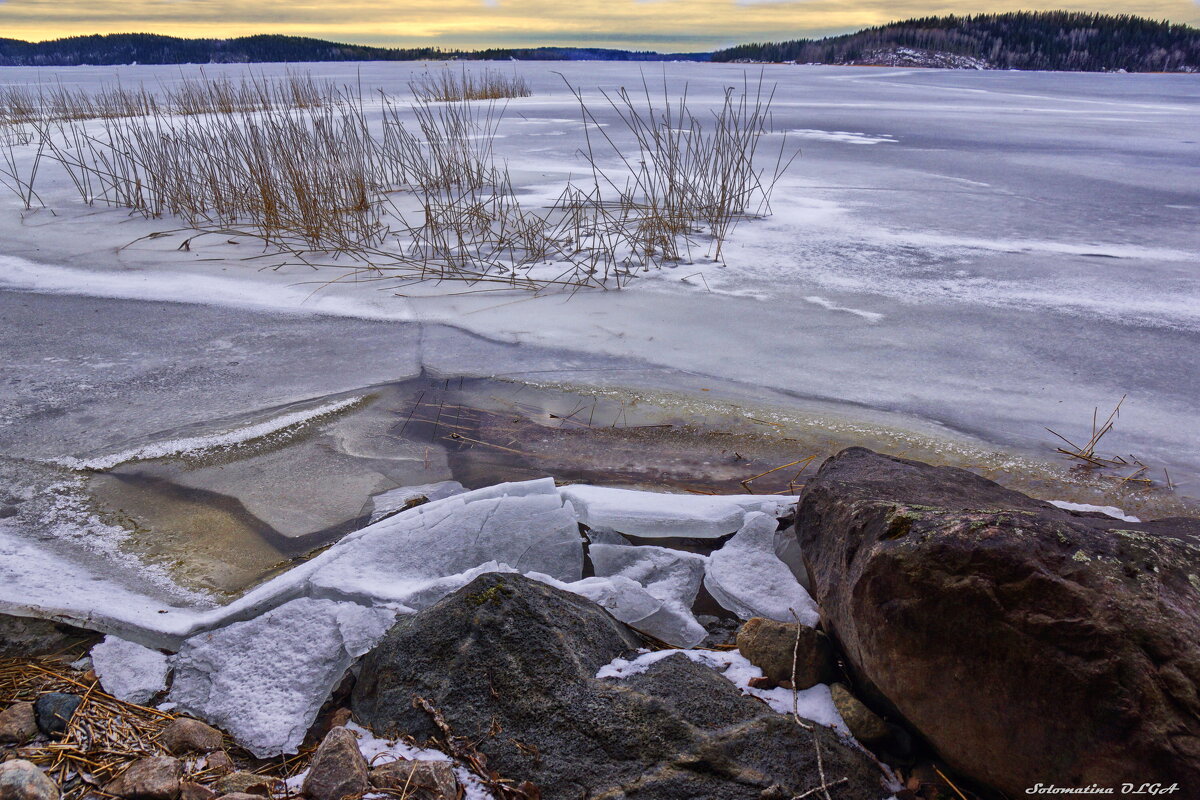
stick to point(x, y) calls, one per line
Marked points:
point(1045, 40)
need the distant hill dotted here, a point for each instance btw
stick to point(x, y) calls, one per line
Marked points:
point(1048, 40)
point(146, 48)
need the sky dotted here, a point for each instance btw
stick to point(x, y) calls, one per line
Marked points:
point(664, 25)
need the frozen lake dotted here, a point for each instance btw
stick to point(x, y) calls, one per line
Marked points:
point(970, 256)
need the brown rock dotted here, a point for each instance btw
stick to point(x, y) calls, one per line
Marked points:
point(22, 780)
point(339, 718)
point(17, 724)
point(189, 790)
point(155, 778)
point(241, 796)
point(864, 724)
point(1028, 644)
point(423, 780)
point(338, 770)
point(770, 646)
point(762, 682)
point(185, 735)
point(244, 783)
point(219, 763)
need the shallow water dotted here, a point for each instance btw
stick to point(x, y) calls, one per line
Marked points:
point(224, 519)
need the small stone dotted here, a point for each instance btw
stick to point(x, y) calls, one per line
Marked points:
point(338, 770)
point(339, 718)
point(244, 783)
point(189, 790)
point(18, 724)
point(762, 682)
point(219, 763)
point(53, 712)
point(864, 724)
point(21, 780)
point(771, 646)
point(423, 780)
point(186, 735)
point(241, 796)
point(154, 778)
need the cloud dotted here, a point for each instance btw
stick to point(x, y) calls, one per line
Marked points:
point(656, 24)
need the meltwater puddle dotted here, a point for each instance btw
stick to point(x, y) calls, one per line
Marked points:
point(229, 510)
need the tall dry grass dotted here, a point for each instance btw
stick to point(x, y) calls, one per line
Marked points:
point(413, 192)
point(446, 86)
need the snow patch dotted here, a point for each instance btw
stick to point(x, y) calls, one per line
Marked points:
point(1111, 511)
point(815, 703)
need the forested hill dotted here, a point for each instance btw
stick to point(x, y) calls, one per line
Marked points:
point(1050, 40)
point(145, 48)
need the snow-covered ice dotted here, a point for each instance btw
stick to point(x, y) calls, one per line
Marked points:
point(264, 680)
point(746, 577)
point(128, 671)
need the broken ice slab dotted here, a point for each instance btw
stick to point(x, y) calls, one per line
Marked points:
point(746, 577)
point(264, 680)
point(399, 558)
point(128, 671)
point(670, 576)
point(654, 515)
point(388, 503)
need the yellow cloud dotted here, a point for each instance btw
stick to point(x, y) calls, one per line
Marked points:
point(650, 24)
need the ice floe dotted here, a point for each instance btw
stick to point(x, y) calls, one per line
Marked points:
point(264, 680)
point(746, 577)
point(651, 515)
point(128, 671)
point(671, 576)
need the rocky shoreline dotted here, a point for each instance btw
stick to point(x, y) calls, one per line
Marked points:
point(962, 639)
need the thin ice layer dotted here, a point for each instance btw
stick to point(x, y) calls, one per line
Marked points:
point(128, 671)
point(388, 503)
point(264, 680)
point(671, 576)
point(656, 515)
point(746, 577)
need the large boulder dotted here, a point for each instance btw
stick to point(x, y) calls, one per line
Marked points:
point(1028, 644)
point(510, 665)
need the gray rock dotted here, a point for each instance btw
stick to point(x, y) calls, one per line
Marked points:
point(21, 780)
point(190, 790)
point(244, 783)
point(18, 724)
point(219, 763)
point(338, 770)
point(421, 780)
point(24, 637)
point(510, 664)
point(864, 724)
point(774, 646)
point(53, 712)
point(186, 735)
point(1027, 643)
point(156, 778)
